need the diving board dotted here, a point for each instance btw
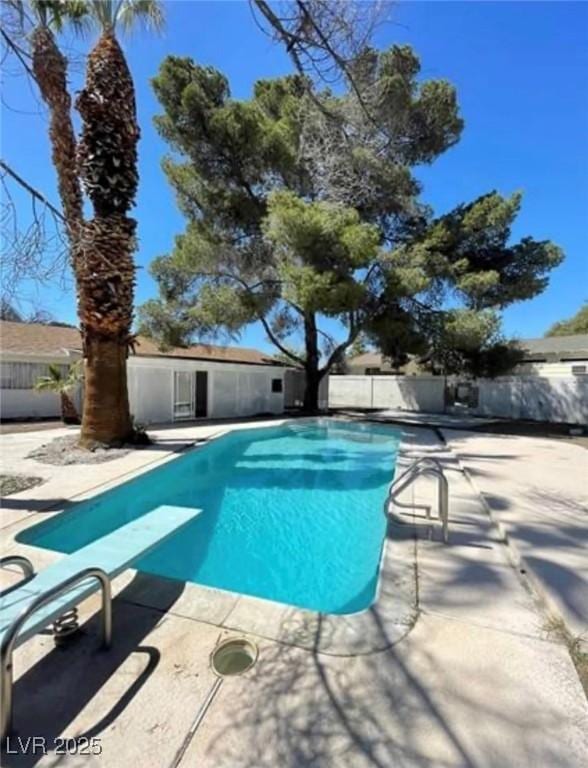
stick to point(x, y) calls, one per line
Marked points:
point(26, 610)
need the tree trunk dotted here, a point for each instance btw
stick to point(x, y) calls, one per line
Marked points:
point(106, 417)
point(311, 390)
point(312, 374)
point(69, 415)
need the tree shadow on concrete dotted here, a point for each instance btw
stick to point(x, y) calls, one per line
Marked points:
point(384, 710)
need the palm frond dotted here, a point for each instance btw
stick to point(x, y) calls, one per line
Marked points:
point(76, 14)
point(53, 381)
point(148, 13)
point(59, 381)
point(58, 14)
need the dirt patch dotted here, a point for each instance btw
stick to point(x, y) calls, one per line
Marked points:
point(65, 450)
point(10, 484)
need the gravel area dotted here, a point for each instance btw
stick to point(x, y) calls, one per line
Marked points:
point(65, 450)
point(10, 484)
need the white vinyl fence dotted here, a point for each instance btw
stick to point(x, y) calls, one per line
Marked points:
point(409, 393)
point(553, 398)
point(541, 398)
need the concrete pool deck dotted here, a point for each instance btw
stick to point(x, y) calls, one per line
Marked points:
point(537, 492)
point(477, 681)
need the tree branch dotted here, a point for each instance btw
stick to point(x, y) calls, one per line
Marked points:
point(272, 337)
point(18, 52)
point(31, 190)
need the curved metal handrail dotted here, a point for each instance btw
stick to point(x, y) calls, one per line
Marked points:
point(413, 466)
point(10, 636)
point(418, 467)
point(21, 561)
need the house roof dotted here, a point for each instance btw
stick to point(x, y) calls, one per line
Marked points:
point(557, 345)
point(368, 359)
point(51, 340)
point(552, 348)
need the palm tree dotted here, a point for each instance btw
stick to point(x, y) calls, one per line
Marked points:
point(49, 67)
point(62, 384)
point(105, 273)
point(104, 164)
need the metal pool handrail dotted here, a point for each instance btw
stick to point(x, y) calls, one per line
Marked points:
point(419, 467)
point(11, 635)
point(22, 562)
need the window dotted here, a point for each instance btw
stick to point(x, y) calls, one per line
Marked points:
point(277, 385)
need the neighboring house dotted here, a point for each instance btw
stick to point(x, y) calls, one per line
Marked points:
point(374, 364)
point(179, 384)
point(555, 356)
point(551, 356)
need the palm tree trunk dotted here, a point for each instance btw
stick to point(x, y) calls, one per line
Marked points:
point(69, 414)
point(50, 69)
point(107, 158)
point(105, 302)
point(106, 417)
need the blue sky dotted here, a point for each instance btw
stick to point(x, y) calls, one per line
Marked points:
point(521, 72)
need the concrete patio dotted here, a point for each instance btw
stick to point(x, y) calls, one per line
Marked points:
point(537, 492)
point(475, 680)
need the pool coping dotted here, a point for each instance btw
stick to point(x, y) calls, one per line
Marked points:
point(384, 623)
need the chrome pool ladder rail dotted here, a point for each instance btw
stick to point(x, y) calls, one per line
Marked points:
point(22, 562)
point(421, 466)
point(10, 636)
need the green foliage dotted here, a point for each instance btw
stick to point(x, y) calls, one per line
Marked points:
point(302, 205)
point(574, 325)
point(59, 382)
point(469, 342)
point(124, 13)
point(470, 249)
point(359, 347)
point(318, 249)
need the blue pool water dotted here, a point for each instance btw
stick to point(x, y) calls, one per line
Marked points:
point(292, 513)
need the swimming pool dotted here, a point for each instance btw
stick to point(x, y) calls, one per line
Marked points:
point(292, 513)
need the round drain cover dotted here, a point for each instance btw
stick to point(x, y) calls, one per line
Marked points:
point(233, 657)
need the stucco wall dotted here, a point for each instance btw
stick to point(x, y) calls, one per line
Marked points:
point(28, 404)
point(233, 389)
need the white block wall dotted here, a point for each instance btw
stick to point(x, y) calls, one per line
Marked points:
point(410, 393)
point(553, 398)
point(540, 398)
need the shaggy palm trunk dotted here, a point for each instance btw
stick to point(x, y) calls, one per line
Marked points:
point(69, 414)
point(50, 70)
point(107, 157)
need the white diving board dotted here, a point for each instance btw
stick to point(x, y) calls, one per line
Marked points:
point(106, 557)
